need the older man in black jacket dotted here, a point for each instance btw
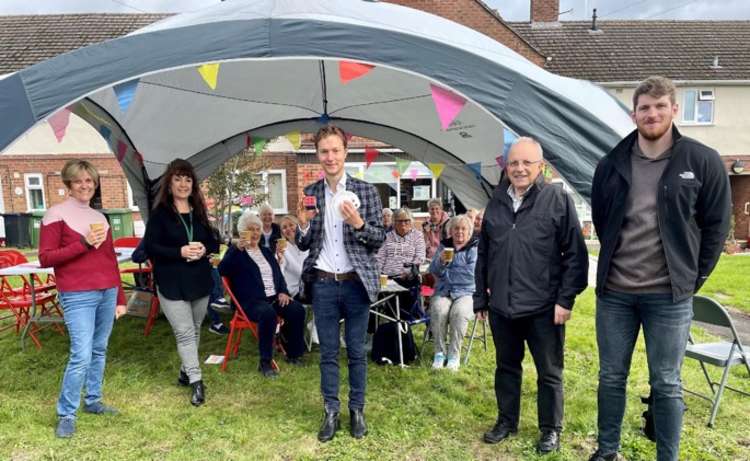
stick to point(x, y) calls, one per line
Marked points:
point(660, 203)
point(532, 264)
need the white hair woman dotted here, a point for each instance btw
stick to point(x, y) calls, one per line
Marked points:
point(452, 305)
point(260, 288)
point(270, 231)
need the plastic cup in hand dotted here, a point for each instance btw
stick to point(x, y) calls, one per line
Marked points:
point(383, 281)
point(281, 244)
point(448, 255)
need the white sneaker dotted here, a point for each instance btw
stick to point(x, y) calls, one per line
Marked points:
point(439, 361)
point(453, 363)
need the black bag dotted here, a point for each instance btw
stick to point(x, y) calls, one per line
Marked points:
point(385, 345)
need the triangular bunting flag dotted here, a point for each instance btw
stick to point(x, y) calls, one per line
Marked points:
point(395, 174)
point(436, 168)
point(348, 136)
point(321, 174)
point(508, 139)
point(402, 165)
point(475, 168)
point(122, 149)
point(447, 105)
point(259, 144)
point(210, 74)
point(248, 141)
point(547, 171)
point(500, 159)
point(349, 71)
point(370, 156)
point(138, 157)
point(413, 174)
point(295, 138)
point(105, 132)
point(125, 93)
point(360, 175)
point(59, 123)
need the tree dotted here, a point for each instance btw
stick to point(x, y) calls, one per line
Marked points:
point(237, 179)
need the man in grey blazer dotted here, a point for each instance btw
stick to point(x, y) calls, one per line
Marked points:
point(340, 273)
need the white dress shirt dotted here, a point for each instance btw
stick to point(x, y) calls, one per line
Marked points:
point(332, 257)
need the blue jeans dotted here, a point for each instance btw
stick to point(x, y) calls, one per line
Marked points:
point(89, 316)
point(333, 301)
point(666, 326)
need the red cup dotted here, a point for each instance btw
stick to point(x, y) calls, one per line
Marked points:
point(310, 202)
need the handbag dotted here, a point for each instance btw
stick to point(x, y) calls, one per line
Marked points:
point(139, 303)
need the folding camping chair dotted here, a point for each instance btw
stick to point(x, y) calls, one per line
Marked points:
point(473, 335)
point(237, 325)
point(722, 354)
point(140, 272)
point(153, 312)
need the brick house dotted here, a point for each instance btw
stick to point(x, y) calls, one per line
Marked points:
point(711, 68)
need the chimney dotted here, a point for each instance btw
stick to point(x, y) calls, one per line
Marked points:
point(545, 10)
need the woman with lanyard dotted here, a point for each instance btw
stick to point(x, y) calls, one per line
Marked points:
point(179, 241)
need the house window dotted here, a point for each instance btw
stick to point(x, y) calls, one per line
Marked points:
point(273, 184)
point(131, 201)
point(412, 189)
point(34, 192)
point(698, 106)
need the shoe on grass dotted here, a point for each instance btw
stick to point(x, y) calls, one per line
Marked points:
point(453, 363)
point(267, 370)
point(439, 361)
point(66, 427)
point(98, 408)
point(218, 329)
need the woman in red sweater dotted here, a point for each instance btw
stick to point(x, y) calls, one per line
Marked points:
point(76, 241)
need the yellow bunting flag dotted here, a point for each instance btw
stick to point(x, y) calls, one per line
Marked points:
point(210, 74)
point(360, 175)
point(295, 139)
point(436, 168)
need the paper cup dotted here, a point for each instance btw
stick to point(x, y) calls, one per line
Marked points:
point(245, 235)
point(96, 227)
point(281, 244)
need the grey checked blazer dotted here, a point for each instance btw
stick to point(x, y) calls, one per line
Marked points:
point(361, 245)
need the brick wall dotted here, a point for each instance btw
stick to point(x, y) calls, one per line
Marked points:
point(14, 167)
point(472, 14)
point(545, 10)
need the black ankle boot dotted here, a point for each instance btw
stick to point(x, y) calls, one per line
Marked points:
point(183, 380)
point(199, 393)
point(330, 425)
point(357, 424)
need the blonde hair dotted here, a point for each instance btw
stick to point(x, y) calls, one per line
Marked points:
point(73, 168)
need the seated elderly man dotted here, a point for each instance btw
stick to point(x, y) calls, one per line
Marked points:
point(387, 219)
point(401, 254)
point(452, 305)
point(259, 286)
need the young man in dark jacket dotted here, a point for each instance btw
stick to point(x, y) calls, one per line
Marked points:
point(532, 263)
point(660, 205)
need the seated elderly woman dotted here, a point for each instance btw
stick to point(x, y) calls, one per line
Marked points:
point(401, 254)
point(452, 306)
point(260, 289)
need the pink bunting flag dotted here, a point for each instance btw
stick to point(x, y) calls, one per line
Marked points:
point(122, 149)
point(248, 141)
point(413, 174)
point(349, 71)
point(59, 123)
point(138, 157)
point(447, 104)
point(395, 174)
point(321, 174)
point(370, 155)
point(500, 159)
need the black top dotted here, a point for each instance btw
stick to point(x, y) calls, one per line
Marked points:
point(693, 210)
point(275, 235)
point(175, 277)
point(244, 275)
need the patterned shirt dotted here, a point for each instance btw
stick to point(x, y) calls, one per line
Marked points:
point(517, 200)
point(266, 273)
point(398, 251)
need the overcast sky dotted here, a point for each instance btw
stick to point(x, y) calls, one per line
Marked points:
point(512, 10)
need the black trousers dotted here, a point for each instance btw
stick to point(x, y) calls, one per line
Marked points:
point(264, 313)
point(546, 341)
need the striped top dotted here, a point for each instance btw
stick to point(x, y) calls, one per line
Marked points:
point(266, 273)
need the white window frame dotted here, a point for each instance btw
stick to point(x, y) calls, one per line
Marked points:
point(131, 201)
point(28, 187)
point(701, 94)
point(264, 183)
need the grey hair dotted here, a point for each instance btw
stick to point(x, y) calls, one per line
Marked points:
point(387, 211)
point(265, 207)
point(462, 218)
point(529, 140)
point(247, 219)
point(435, 201)
point(404, 211)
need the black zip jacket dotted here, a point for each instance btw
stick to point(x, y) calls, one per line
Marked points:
point(693, 210)
point(532, 259)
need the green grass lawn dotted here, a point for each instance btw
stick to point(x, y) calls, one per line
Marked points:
point(414, 413)
point(730, 282)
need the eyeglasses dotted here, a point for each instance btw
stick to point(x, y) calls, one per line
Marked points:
point(525, 163)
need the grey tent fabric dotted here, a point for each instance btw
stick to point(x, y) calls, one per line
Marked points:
point(279, 71)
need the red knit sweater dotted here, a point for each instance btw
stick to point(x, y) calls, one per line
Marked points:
point(78, 267)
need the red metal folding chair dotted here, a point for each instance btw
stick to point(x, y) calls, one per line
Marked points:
point(153, 313)
point(237, 325)
point(133, 242)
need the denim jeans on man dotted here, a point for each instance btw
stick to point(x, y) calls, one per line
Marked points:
point(89, 316)
point(333, 301)
point(666, 326)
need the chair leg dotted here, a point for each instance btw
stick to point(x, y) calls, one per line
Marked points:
point(237, 341)
point(471, 341)
point(708, 378)
point(717, 397)
point(228, 348)
point(484, 333)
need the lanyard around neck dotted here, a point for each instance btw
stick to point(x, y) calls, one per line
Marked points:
point(188, 229)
